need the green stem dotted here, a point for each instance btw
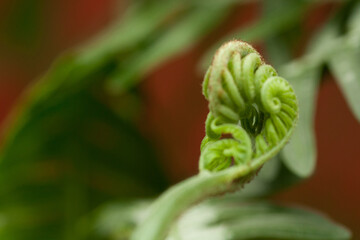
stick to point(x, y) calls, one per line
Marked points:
point(180, 197)
point(177, 199)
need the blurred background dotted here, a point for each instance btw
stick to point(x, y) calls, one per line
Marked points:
point(120, 115)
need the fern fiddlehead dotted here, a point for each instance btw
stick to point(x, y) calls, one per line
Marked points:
point(252, 115)
point(248, 101)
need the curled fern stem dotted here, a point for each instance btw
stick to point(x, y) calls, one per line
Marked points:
point(249, 102)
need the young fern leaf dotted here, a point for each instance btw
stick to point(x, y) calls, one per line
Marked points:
point(248, 102)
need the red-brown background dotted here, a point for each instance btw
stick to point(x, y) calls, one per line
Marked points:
point(176, 110)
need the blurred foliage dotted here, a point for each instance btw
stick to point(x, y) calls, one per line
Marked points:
point(68, 151)
point(223, 218)
point(79, 160)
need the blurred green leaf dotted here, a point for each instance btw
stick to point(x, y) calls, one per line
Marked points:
point(304, 75)
point(299, 155)
point(139, 24)
point(225, 218)
point(67, 160)
point(76, 70)
point(66, 152)
point(274, 222)
point(184, 33)
point(344, 63)
point(231, 220)
point(345, 67)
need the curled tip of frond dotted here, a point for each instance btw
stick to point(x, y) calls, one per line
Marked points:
point(249, 102)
